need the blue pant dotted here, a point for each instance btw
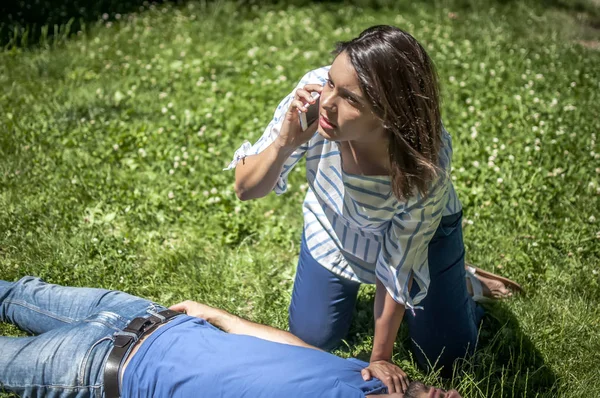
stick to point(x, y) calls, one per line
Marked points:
point(323, 302)
point(74, 330)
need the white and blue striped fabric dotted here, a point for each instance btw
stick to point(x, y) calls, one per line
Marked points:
point(353, 224)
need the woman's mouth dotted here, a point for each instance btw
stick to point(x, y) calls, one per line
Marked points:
point(325, 123)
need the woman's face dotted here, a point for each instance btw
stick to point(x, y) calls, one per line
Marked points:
point(344, 112)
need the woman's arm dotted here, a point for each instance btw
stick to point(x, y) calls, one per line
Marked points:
point(256, 176)
point(388, 317)
point(234, 324)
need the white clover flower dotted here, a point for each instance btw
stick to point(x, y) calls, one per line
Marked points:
point(170, 195)
point(518, 97)
point(162, 95)
point(573, 84)
point(452, 79)
point(471, 109)
point(116, 147)
point(462, 84)
point(164, 110)
point(171, 171)
point(214, 191)
point(592, 219)
point(205, 193)
point(476, 164)
point(499, 180)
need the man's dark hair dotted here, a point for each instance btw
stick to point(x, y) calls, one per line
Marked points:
point(414, 388)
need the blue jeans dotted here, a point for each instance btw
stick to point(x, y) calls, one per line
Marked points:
point(323, 303)
point(73, 330)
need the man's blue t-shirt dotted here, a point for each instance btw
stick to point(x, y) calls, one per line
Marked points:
point(189, 357)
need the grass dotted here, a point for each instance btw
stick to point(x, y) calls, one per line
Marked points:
point(112, 144)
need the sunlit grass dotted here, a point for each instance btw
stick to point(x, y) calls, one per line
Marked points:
point(112, 146)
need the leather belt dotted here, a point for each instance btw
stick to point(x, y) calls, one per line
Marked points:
point(127, 338)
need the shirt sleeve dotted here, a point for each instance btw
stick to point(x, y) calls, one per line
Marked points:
point(316, 76)
point(405, 247)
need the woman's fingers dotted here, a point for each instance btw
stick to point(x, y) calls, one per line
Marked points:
point(398, 385)
point(304, 96)
point(298, 105)
point(314, 88)
point(404, 382)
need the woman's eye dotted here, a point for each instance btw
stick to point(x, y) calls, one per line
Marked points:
point(351, 99)
point(329, 83)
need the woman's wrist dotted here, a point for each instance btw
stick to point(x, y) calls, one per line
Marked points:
point(284, 148)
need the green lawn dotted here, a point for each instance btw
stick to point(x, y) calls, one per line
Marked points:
point(113, 141)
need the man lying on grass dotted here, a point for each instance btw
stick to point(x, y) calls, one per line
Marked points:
point(100, 343)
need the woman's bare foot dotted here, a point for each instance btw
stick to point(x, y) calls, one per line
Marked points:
point(491, 286)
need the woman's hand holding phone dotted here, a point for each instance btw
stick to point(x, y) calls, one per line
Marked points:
point(291, 135)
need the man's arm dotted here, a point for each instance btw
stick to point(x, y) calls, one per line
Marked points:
point(234, 324)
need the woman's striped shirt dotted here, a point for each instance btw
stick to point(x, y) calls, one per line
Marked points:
point(354, 225)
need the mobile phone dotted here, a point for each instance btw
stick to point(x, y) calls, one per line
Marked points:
point(307, 118)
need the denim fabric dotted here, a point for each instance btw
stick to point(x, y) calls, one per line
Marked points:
point(322, 303)
point(73, 330)
point(446, 329)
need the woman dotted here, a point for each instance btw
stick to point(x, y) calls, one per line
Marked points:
point(380, 206)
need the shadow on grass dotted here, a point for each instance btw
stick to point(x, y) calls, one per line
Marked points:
point(505, 364)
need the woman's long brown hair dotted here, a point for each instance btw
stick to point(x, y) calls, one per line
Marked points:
point(400, 82)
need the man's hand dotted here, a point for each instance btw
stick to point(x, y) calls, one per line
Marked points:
point(193, 308)
point(391, 375)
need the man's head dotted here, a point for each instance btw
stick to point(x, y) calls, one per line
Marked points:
point(416, 389)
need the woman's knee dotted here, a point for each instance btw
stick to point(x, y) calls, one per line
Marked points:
point(322, 334)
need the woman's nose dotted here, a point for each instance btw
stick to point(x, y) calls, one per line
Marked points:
point(328, 101)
